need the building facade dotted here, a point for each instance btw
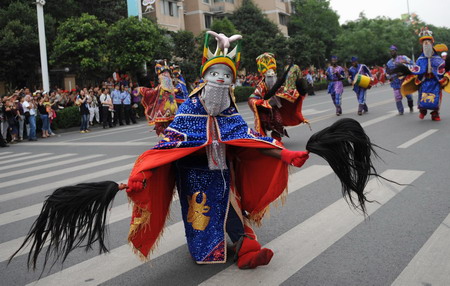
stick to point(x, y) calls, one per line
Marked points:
point(198, 15)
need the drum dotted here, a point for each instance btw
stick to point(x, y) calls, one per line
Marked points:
point(362, 81)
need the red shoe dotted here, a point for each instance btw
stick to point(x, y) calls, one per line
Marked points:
point(421, 115)
point(435, 116)
point(250, 254)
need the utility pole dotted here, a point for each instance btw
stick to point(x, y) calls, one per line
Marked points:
point(42, 45)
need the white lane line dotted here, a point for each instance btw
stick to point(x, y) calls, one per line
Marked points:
point(417, 139)
point(65, 182)
point(49, 165)
point(430, 266)
point(379, 119)
point(26, 163)
point(5, 153)
point(95, 163)
point(120, 260)
point(17, 155)
point(25, 157)
point(107, 132)
point(309, 239)
point(20, 214)
point(103, 144)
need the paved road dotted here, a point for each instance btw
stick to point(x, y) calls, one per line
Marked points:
point(316, 237)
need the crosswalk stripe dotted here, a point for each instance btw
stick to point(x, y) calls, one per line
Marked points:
point(27, 157)
point(5, 153)
point(27, 163)
point(64, 171)
point(19, 214)
point(417, 139)
point(17, 155)
point(120, 260)
point(49, 165)
point(307, 241)
point(430, 266)
point(379, 119)
point(65, 182)
point(108, 132)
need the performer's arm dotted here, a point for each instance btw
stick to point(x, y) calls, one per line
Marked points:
point(294, 158)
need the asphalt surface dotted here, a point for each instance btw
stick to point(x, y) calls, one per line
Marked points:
point(317, 238)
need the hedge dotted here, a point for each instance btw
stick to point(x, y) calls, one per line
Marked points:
point(67, 117)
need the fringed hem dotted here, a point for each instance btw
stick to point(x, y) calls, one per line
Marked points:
point(256, 218)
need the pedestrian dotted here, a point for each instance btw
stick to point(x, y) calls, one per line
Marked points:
point(107, 106)
point(116, 96)
point(93, 108)
point(29, 109)
point(81, 102)
point(43, 113)
point(126, 100)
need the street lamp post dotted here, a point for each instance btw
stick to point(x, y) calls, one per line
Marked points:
point(42, 45)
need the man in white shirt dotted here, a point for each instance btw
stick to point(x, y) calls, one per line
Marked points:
point(105, 101)
point(29, 109)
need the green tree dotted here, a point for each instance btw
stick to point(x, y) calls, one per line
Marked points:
point(80, 44)
point(186, 55)
point(131, 43)
point(370, 39)
point(19, 44)
point(312, 28)
point(260, 35)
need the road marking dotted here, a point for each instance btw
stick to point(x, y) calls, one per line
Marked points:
point(300, 245)
point(379, 119)
point(417, 139)
point(49, 165)
point(108, 132)
point(28, 179)
point(5, 153)
point(65, 182)
point(19, 214)
point(120, 260)
point(27, 163)
point(430, 266)
point(20, 158)
point(17, 155)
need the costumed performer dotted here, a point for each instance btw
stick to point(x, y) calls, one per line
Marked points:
point(335, 75)
point(396, 82)
point(210, 156)
point(159, 103)
point(181, 91)
point(359, 76)
point(274, 105)
point(429, 75)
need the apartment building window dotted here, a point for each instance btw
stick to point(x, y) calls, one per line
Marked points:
point(283, 19)
point(228, 1)
point(208, 21)
point(169, 8)
point(206, 1)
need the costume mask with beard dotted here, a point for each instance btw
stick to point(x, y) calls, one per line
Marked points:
point(428, 52)
point(216, 94)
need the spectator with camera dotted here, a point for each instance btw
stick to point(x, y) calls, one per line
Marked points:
point(81, 102)
point(29, 109)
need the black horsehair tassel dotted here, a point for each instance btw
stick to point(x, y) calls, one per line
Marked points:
point(70, 216)
point(348, 150)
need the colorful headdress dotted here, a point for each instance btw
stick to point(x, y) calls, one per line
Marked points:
point(161, 66)
point(425, 34)
point(441, 48)
point(175, 69)
point(266, 62)
point(221, 55)
point(393, 48)
point(354, 59)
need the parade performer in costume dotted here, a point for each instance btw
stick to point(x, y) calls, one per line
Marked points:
point(429, 75)
point(359, 75)
point(396, 83)
point(335, 75)
point(276, 103)
point(159, 103)
point(226, 176)
point(181, 91)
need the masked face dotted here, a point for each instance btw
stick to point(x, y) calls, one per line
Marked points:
point(216, 94)
point(427, 48)
point(270, 81)
point(220, 74)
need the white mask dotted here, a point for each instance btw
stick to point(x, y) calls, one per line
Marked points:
point(270, 81)
point(428, 49)
point(216, 95)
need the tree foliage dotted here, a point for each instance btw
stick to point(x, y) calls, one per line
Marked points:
point(132, 43)
point(260, 35)
point(19, 44)
point(80, 44)
point(370, 39)
point(312, 28)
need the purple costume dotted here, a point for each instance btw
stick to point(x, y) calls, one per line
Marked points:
point(335, 75)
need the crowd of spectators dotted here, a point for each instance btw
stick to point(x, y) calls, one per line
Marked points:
point(114, 102)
